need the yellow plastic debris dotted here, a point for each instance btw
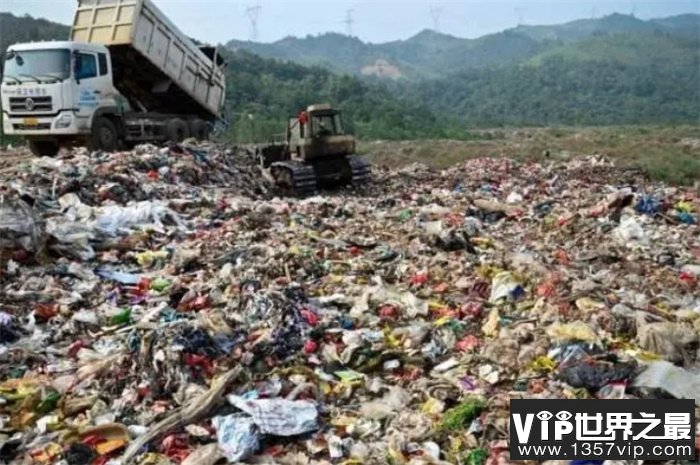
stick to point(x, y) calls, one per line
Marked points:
point(490, 328)
point(588, 305)
point(543, 364)
point(576, 331)
point(147, 258)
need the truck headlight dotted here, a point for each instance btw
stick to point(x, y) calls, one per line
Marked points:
point(64, 121)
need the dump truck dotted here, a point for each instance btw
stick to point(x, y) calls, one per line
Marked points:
point(126, 76)
point(316, 153)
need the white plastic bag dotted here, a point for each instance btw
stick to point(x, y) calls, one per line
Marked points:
point(280, 417)
point(676, 381)
point(629, 231)
point(114, 218)
point(237, 435)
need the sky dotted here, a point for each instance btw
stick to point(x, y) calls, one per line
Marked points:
point(218, 21)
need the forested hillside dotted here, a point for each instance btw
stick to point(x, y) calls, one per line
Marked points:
point(634, 79)
point(430, 54)
point(263, 93)
point(15, 29)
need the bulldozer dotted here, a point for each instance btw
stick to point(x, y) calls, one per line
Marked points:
point(316, 153)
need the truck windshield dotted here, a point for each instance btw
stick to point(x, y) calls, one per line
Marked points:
point(37, 65)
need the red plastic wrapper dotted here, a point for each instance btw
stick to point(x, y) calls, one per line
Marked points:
point(201, 362)
point(46, 311)
point(467, 343)
point(176, 447)
point(419, 279)
point(310, 317)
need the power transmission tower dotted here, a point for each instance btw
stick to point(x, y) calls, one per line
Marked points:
point(520, 11)
point(253, 12)
point(594, 13)
point(349, 21)
point(435, 13)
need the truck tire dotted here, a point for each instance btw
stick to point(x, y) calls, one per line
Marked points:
point(104, 136)
point(177, 130)
point(43, 148)
point(200, 129)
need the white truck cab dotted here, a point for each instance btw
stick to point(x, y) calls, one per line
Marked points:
point(51, 92)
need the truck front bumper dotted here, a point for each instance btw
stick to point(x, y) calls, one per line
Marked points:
point(64, 123)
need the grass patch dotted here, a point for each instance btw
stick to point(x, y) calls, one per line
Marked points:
point(667, 153)
point(462, 415)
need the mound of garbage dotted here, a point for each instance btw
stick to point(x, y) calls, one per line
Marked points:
point(165, 306)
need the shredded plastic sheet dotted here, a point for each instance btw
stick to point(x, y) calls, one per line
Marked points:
point(671, 379)
point(238, 436)
point(279, 417)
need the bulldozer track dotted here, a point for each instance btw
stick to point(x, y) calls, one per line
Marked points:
point(303, 177)
point(360, 170)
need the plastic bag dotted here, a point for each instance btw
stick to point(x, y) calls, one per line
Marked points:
point(393, 401)
point(674, 380)
point(72, 238)
point(237, 435)
point(514, 197)
point(629, 231)
point(381, 294)
point(115, 218)
point(667, 339)
point(504, 286)
point(118, 276)
point(648, 205)
point(280, 417)
point(19, 226)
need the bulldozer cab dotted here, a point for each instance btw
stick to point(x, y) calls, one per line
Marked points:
point(325, 123)
point(318, 131)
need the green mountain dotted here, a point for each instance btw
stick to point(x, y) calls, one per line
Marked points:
point(426, 55)
point(686, 25)
point(626, 79)
point(430, 54)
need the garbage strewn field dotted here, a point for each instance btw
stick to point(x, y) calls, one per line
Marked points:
point(164, 306)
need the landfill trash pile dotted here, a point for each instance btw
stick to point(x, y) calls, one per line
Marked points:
point(163, 306)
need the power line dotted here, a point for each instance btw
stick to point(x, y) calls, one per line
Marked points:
point(435, 13)
point(349, 21)
point(253, 13)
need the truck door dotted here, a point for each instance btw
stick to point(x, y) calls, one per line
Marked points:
point(93, 83)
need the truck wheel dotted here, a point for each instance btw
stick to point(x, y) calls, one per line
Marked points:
point(177, 130)
point(104, 135)
point(43, 148)
point(200, 129)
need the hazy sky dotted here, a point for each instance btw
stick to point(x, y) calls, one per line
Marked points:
point(374, 21)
